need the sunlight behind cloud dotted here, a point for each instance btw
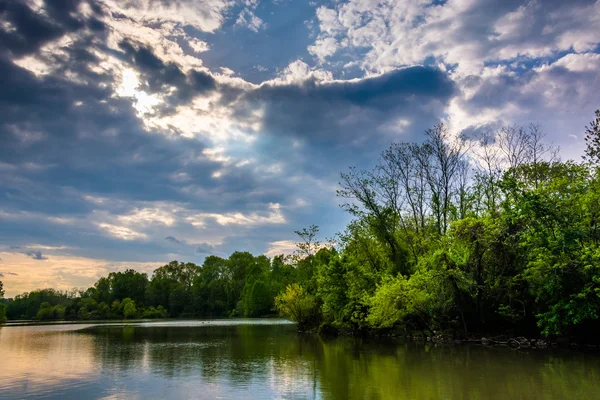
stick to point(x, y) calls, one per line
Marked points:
point(143, 102)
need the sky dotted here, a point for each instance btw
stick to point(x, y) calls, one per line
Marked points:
point(136, 132)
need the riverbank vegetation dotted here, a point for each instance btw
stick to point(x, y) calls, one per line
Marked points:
point(242, 285)
point(493, 234)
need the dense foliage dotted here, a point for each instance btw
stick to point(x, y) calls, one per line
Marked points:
point(242, 285)
point(489, 236)
point(493, 235)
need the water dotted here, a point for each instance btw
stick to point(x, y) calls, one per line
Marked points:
point(265, 359)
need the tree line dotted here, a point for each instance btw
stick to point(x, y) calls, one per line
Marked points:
point(242, 285)
point(493, 234)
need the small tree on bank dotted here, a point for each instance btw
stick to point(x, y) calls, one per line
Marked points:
point(129, 308)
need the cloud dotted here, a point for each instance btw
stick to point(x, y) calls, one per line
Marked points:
point(199, 248)
point(204, 248)
point(336, 106)
point(316, 126)
point(172, 239)
point(36, 255)
point(206, 15)
point(324, 48)
point(278, 247)
point(248, 19)
point(121, 232)
point(273, 216)
point(132, 125)
point(507, 60)
point(467, 33)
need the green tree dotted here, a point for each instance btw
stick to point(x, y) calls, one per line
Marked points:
point(116, 309)
point(26, 305)
point(211, 288)
point(259, 300)
point(592, 140)
point(48, 312)
point(151, 312)
point(129, 308)
point(298, 306)
point(171, 286)
point(88, 308)
point(129, 283)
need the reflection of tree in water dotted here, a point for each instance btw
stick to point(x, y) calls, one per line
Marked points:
point(307, 366)
point(118, 349)
point(356, 370)
point(237, 353)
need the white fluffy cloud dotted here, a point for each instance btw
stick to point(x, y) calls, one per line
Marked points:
point(464, 32)
point(206, 15)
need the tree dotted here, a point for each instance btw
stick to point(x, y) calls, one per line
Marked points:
point(211, 288)
point(129, 308)
point(309, 244)
point(298, 306)
point(128, 283)
point(592, 140)
point(45, 312)
point(171, 287)
point(87, 309)
point(374, 207)
point(151, 312)
point(388, 305)
point(444, 156)
point(259, 300)
point(26, 305)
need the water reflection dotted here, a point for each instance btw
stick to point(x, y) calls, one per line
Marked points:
point(272, 361)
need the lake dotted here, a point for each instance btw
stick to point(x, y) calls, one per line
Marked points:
point(267, 359)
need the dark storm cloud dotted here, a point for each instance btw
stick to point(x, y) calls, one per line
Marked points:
point(339, 110)
point(97, 147)
point(33, 29)
point(346, 123)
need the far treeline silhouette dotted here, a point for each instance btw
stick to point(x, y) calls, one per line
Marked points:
point(486, 235)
